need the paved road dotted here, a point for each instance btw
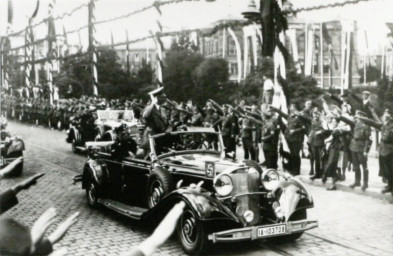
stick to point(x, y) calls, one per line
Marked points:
point(350, 224)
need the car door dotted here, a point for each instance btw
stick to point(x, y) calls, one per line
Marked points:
point(115, 179)
point(135, 175)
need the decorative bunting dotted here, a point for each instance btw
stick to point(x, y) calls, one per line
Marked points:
point(159, 44)
point(92, 48)
point(52, 52)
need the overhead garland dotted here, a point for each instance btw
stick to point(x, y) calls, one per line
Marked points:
point(320, 7)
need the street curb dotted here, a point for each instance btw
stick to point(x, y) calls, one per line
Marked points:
point(372, 192)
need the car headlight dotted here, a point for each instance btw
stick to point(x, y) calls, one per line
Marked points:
point(270, 179)
point(252, 170)
point(223, 185)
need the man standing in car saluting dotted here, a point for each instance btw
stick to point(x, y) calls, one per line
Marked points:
point(155, 117)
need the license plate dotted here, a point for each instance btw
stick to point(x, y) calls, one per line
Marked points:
point(272, 230)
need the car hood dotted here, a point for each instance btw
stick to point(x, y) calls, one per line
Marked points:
point(199, 162)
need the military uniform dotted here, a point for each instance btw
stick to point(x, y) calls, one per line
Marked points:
point(247, 139)
point(360, 144)
point(295, 142)
point(269, 138)
point(316, 144)
point(229, 131)
point(386, 153)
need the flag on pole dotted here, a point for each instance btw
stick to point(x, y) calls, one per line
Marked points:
point(328, 40)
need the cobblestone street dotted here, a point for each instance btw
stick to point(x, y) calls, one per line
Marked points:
point(349, 223)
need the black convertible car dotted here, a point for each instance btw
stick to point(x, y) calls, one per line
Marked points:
point(11, 148)
point(237, 201)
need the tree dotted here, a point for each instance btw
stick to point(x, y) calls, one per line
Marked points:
point(209, 75)
point(179, 65)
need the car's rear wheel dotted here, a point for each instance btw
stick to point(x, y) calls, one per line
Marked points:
point(191, 233)
point(160, 183)
point(92, 193)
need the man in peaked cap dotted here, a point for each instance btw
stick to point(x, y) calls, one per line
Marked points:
point(154, 114)
point(360, 146)
point(155, 118)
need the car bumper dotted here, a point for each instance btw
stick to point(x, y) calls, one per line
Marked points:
point(253, 233)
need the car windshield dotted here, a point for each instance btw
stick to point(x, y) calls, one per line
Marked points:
point(187, 141)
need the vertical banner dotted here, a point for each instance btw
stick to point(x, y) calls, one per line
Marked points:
point(238, 54)
point(308, 64)
point(295, 51)
point(224, 42)
point(245, 53)
point(347, 29)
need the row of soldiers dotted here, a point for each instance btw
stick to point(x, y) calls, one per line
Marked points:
point(335, 128)
point(57, 115)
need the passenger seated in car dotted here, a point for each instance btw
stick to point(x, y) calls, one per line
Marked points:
point(124, 144)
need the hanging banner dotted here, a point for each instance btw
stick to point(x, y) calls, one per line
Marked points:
point(238, 54)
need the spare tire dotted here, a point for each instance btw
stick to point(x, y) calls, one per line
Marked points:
point(160, 183)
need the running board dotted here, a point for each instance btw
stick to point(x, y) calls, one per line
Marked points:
point(133, 212)
point(82, 149)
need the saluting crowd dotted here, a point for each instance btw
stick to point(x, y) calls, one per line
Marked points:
point(334, 129)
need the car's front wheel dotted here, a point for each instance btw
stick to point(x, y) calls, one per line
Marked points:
point(92, 193)
point(160, 183)
point(191, 233)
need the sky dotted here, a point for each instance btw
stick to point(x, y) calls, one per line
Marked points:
point(370, 16)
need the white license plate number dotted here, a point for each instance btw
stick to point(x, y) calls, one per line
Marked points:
point(272, 230)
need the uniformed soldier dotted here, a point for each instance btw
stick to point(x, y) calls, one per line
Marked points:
point(229, 131)
point(316, 143)
point(269, 138)
point(360, 146)
point(247, 139)
point(294, 135)
point(385, 149)
point(155, 118)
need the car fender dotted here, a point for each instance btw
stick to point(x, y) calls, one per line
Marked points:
point(75, 134)
point(100, 130)
point(95, 169)
point(293, 196)
point(17, 145)
point(200, 201)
